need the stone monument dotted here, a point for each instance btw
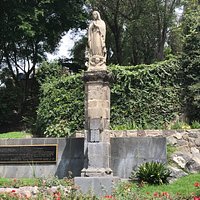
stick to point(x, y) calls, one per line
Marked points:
point(96, 173)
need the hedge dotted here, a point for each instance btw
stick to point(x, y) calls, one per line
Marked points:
point(142, 96)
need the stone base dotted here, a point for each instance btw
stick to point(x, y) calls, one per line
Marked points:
point(98, 155)
point(96, 172)
point(99, 186)
point(97, 68)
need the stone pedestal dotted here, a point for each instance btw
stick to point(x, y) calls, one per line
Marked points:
point(97, 104)
point(97, 160)
point(97, 119)
point(96, 174)
point(99, 186)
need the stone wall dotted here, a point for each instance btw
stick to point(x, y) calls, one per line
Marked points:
point(185, 158)
point(128, 149)
point(70, 158)
point(126, 154)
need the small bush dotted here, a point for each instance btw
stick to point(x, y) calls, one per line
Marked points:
point(170, 150)
point(58, 129)
point(129, 125)
point(180, 125)
point(195, 125)
point(153, 173)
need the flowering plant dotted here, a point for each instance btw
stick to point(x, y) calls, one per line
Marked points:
point(197, 194)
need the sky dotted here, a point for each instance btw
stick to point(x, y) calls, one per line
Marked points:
point(65, 45)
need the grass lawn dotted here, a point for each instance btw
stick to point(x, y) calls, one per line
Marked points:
point(51, 181)
point(11, 182)
point(14, 135)
point(182, 189)
point(184, 185)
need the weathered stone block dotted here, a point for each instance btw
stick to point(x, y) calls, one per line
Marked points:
point(92, 103)
point(128, 153)
point(100, 186)
point(95, 113)
point(99, 155)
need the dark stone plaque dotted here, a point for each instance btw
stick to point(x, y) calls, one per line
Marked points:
point(28, 154)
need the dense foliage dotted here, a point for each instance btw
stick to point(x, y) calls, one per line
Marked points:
point(29, 29)
point(60, 111)
point(191, 61)
point(147, 95)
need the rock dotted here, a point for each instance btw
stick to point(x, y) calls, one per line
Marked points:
point(184, 148)
point(54, 189)
point(193, 135)
point(179, 160)
point(171, 140)
point(34, 190)
point(168, 133)
point(10, 189)
point(178, 136)
point(186, 137)
point(182, 143)
point(26, 193)
point(176, 173)
point(193, 165)
point(191, 142)
point(194, 150)
point(197, 142)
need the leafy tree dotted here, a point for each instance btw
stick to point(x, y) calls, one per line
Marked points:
point(136, 30)
point(191, 60)
point(8, 100)
point(28, 30)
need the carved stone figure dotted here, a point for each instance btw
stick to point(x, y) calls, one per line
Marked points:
point(96, 43)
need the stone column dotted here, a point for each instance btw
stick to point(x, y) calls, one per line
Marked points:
point(97, 120)
point(97, 176)
point(97, 105)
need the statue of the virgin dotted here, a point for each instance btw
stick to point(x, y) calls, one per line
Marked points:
point(96, 42)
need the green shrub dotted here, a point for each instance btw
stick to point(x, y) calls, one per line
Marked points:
point(58, 129)
point(126, 126)
point(152, 173)
point(48, 71)
point(190, 60)
point(170, 150)
point(60, 111)
point(179, 125)
point(195, 125)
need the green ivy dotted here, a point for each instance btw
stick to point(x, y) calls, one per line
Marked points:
point(60, 111)
point(147, 95)
point(143, 96)
point(190, 61)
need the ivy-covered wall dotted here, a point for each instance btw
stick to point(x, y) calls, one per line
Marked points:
point(143, 96)
point(61, 108)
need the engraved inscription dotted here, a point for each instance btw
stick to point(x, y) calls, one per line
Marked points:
point(28, 154)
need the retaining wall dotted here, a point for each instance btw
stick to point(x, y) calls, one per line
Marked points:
point(126, 154)
point(70, 158)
